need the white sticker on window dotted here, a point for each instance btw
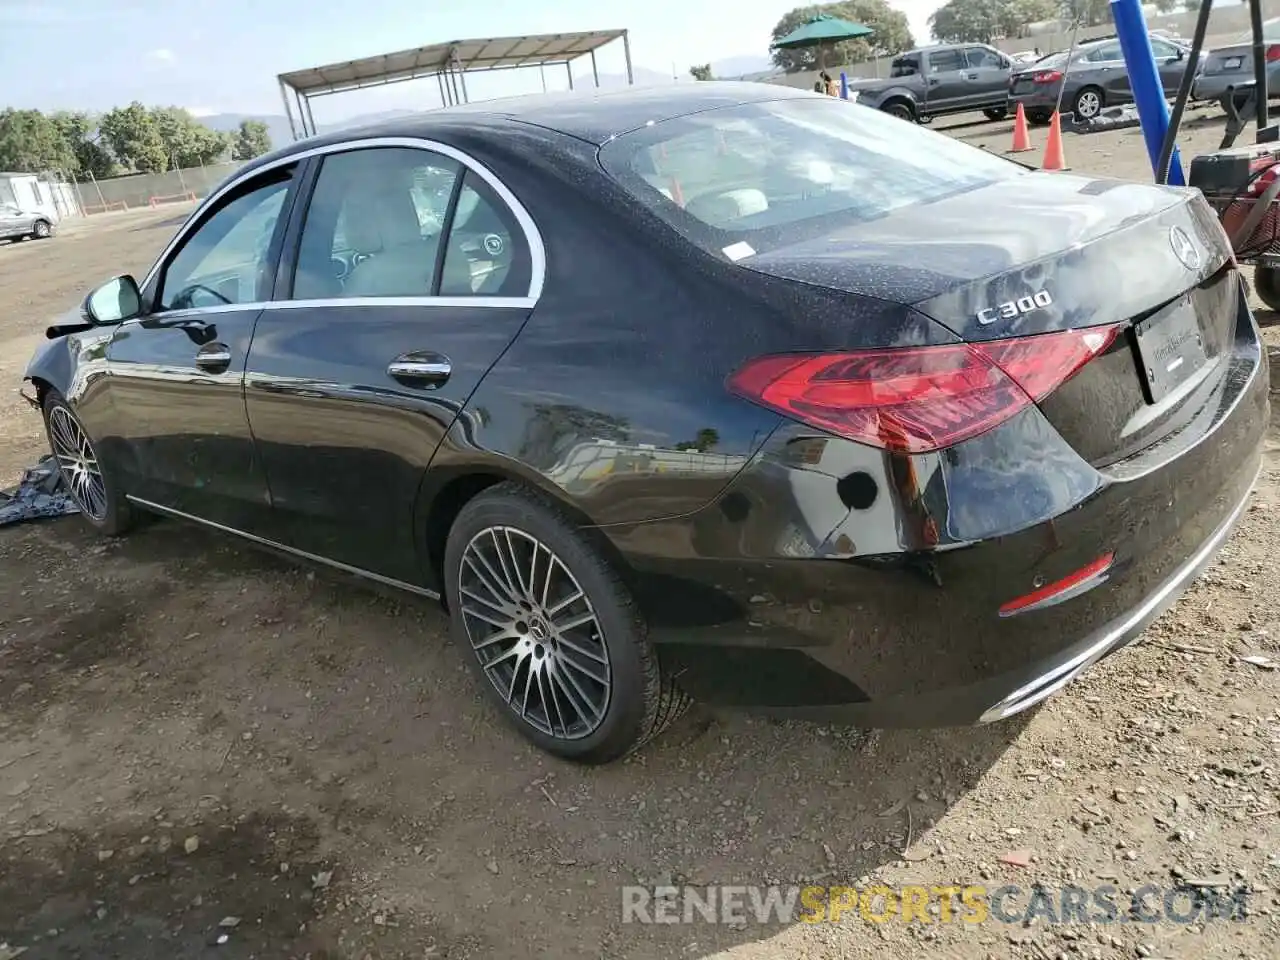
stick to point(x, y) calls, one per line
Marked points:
point(738, 251)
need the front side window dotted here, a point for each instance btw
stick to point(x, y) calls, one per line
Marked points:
point(227, 260)
point(1162, 48)
point(374, 224)
point(770, 174)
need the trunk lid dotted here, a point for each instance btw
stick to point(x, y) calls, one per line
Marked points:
point(1233, 59)
point(1050, 252)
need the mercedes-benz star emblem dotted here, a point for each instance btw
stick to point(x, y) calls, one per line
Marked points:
point(1183, 248)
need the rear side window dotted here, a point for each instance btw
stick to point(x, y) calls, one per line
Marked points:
point(765, 175)
point(905, 67)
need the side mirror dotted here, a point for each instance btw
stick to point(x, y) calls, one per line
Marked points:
point(1006, 63)
point(1179, 54)
point(114, 302)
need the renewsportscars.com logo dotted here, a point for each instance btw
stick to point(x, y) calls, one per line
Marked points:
point(968, 904)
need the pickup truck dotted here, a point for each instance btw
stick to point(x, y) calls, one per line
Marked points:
point(933, 81)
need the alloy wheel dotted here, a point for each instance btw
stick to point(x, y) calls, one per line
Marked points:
point(535, 632)
point(1088, 105)
point(79, 463)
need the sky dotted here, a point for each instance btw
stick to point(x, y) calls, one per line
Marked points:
point(223, 57)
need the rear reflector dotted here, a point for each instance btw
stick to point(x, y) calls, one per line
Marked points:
point(1069, 586)
point(919, 399)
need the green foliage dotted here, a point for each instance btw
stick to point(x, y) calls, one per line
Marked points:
point(78, 129)
point(702, 72)
point(30, 142)
point(134, 137)
point(187, 142)
point(1089, 12)
point(892, 34)
point(981, 21)
point(251, 141)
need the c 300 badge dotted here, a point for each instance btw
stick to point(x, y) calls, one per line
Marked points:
point(1015, 308)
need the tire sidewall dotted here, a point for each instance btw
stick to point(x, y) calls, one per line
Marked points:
point(41, 225)
point(900, 111)
point(116, 520)
point(624, 632)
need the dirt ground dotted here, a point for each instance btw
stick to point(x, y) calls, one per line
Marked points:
point(205, 750)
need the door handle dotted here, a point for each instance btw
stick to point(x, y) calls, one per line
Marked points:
point(214, 357)
point(422, 369)
point(933, 82)
point(971, 76)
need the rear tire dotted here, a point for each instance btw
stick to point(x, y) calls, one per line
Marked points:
point(996, 113)
point(92, 483)
point(41, 230)
point(577, 677)
point(900, 109)
point(1266, 281)
point(1039, 118)
point(1088, 103)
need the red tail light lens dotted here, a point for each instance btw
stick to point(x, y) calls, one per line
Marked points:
point(919, 399)
point(1048, 76)
point(1273, 53)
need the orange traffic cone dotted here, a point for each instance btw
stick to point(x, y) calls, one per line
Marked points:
point(1053, 155)
point(1021, 135)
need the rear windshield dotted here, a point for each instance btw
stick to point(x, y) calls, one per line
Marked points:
point(749, 178)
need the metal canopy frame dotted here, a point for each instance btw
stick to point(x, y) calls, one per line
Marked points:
point(449, 63)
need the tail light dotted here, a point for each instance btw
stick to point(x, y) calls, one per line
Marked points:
point(1273, 53)
point(1047, 76)
point(919, 399)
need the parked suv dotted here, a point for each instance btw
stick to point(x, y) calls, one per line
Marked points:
point(933, 81)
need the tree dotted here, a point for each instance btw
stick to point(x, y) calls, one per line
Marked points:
point(134, 138)
point(701, 73)
point(981, 21)
point(1090, 13)
point(78, 130)
point(31, 143)
point(187, 142)
point(892, 34)
point(966, 21)
point(1017, 15)
point(252, 140)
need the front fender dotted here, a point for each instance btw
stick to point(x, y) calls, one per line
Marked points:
point(879, 98)
point(71, 364)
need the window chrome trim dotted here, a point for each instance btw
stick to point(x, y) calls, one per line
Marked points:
point(533, 239)
point(284, 548)
point(509, 303)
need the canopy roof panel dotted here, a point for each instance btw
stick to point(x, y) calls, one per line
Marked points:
point(495, 53)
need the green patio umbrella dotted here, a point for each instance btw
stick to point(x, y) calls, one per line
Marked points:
point(820, 30)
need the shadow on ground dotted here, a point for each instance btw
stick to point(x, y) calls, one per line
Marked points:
point(182, 685)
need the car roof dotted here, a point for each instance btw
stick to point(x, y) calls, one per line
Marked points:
point(593, 116)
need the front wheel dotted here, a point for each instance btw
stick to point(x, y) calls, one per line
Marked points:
point(41, 230)
point(551, 630)
point(996, 113)
point(1088, 103)
point(900, 109)
point(89, 480)
point(1266, 280)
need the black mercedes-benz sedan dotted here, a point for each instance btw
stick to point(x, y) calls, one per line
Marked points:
point(725, 392)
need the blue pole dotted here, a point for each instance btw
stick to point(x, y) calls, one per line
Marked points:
point(844, 85)
point(1144, 77)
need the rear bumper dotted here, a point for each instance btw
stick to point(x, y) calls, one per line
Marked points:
point(1038, 99)
point(833, 581)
